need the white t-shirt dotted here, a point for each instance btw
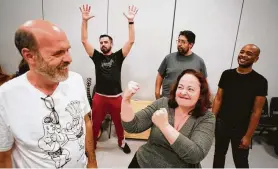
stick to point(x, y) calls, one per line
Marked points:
point(42, 137)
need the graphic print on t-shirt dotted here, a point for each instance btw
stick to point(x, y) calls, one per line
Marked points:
point(74, 129)
point(107, 65)
point(56, 136)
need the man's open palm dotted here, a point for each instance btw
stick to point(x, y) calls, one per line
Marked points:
point(85, 10)
point(132, 11)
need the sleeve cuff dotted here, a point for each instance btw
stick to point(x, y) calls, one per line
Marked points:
point(128, 125)
point(7, 148)
point(181, 142)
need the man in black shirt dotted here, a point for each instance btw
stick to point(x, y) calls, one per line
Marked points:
point(108, 75)
point(238, 105)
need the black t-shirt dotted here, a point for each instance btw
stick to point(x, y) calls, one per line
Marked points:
point(239, 92)
point(108, 72)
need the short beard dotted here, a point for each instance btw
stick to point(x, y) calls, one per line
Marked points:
point(246, 65)
point(182, 51)
point(106, 51)
point(50, 72)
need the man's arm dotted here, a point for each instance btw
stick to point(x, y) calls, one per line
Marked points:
point(254, 120)
point(217, 101)
point(85, 10)
point(89, 143)
point(158, 84)
point(161, 73)
point(131, 37)
point(6, 143)
point(256, 115)
point(204, 68)
point(6, 159)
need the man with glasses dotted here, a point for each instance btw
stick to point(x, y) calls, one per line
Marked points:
point(174, 63)
point(44, 119)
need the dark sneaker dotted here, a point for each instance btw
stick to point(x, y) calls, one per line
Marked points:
point(126, 149)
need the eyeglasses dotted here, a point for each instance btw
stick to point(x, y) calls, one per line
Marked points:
point(181, 41)
point(49, 103)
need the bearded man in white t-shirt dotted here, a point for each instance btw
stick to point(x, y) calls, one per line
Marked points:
point(44, 119)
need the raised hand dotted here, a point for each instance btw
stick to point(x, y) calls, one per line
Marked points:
point(85, 10)
point(132, 88)
point(160, 118)
point(132, 11)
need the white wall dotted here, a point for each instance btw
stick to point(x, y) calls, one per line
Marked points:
point(153, 28)
point(13, 13)
point(259, 25)
point(215, 24)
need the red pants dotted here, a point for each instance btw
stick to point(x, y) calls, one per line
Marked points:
point(103, 105)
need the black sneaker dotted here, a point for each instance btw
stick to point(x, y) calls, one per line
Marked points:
point(126, 149)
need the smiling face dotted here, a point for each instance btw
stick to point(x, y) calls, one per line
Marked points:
point(247, 56)
point(45, 47)
point(53, 57)
point(188, 91)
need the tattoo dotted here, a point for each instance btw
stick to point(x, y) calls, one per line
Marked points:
point(90, 151)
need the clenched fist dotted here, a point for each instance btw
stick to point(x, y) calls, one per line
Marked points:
point(160, 118)
point(132, 88)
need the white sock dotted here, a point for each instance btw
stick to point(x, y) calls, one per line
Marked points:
point(123, 143)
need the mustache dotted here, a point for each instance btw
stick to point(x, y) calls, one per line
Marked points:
point(63, 65)
point(182, 49)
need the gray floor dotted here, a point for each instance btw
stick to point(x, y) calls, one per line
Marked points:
point(110, 156)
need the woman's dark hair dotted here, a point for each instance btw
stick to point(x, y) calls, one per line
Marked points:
point(4, 77)
point(203, 103)
point(23, 67)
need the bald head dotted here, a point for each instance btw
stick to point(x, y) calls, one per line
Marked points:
point(254, 48)
point(45, 48)
point(33, 32)
point(248, 55)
